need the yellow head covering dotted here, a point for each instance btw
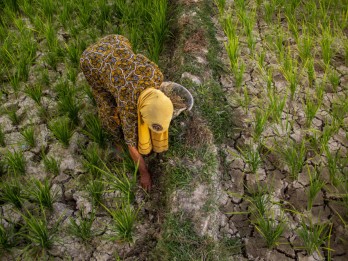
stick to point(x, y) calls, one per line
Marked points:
point(155, 111)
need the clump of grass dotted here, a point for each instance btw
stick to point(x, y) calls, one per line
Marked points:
point(95, 190)
point(252, 158)
point(40, 236)
point(260, 119)
point(62, 130)
point(312, 236)
point(221, 5)
point(270, 229)
point(120, 182)
point(12, 114)
point(93, 160)
point(29, 136)
point(326, 48)
point(315, 185)
point(310, 71)
point(2, 137)
point(332, 164)
point(68, 104)
point(82, 227)
point(15, 162)
point(95, 130)
point(34, 92)
point(311, 106)
point(51, 164)
point(294, 156)
point(232, 45)
point(124, 217)
point(8, 238)
point(41, 192)
point(334, 79)
point(11, 192)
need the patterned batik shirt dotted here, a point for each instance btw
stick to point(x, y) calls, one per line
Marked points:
point(117, 77)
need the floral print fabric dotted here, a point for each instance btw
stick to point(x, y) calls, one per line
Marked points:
point(117, 77)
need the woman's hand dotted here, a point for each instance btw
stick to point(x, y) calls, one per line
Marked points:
point(145, 177)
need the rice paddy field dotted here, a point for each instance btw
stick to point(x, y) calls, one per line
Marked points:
point(258, 170)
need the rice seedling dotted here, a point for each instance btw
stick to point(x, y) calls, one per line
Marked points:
point(269, 9)
point(82, 227)
point(11, 192)
point(105, 14)
point(313, 236)
point(346, 53)
point(260, 119)
point(124, 217)
point(15, 82)
point(121, 181)
point(159, 28)
point(93, 159)
point(2, 137)
point(221, 6)
point(62, 129)
point(85, 13)
point(48, 7)
point(305, 46)
point(311, 106)
point(289, 70)
point(95, 189)
point(245, 102)
point(73, 52)
point(252, 157)
point(70, 106)
point(12, 115)
point(51, 164)
point(232, 45)
point(41, 192)
point(72, 74)
point(8, 238)
point(310, 71)
point(332, 165)
point(275, 106)
point(40, 236)
point(88, 91)
point(29, 136)
point(271, 230)
point(326, 46)
point(16, 162)
point(238, 74)
point(334, 79)
point(94, 130)
point(315, 185)
point(294, 157)
point(34, 92)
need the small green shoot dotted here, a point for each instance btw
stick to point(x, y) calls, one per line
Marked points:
point(62, 129)
point(29, 136)
point(95, 131)
point(34, 92)
point(12, 193)
point(95, 189)
point(16, 162)
point(82, 227)
point(41, 192)
point(270, 229)
point(51, 165)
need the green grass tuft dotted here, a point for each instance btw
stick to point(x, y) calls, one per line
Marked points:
point(62, 129)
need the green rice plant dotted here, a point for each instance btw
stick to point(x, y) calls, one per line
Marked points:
point(293, 26)
point(85, 10)
point(47, 8)
point(260, 119)
point(82, 227)
point(118, 180)
point(252, 157)
point(40, 192)
point(94, 130)
point(339, 109)
point(93, 159)
point(305, 46)
point(2, 137)
point(52, 59)
point(62, 129)
point(346, 52)
point(275, 106)
point(269, 9)
point(310, 71)
point(65, 15)
point(326, 46)
point(51, 37)
point(8, 238)
point(51, 164)
point(39, 234)
point(12, 115)
point(278, 43)
point(88, 91)
point(240, 4)
point(334, 79)
point(159, 28)
point(332, 165)
point(221, 6)
point(11, 192)
point(34, 92)
point(70, 106)
point(72, 74)
point(311, 106)
point(63, 88)
point(105, 12)
point(293, 156)
point(315, 185)
point(95, 189)
point(245, 102)
point(232, 45)
point(15, 82)
point(313, 236)
point(73, 52)
point(124, 217)
point(16, 162)
point(271, 230)
point(29, 136)
point(238, 74)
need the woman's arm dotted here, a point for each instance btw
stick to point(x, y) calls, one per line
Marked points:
point(145, 178)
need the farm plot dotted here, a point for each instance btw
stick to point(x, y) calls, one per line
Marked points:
point(65, 192)
point(286, 166)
